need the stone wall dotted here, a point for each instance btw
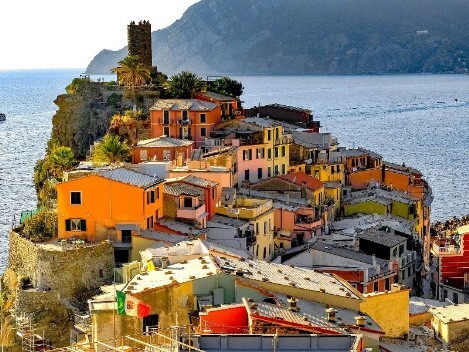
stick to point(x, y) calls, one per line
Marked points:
point(73, 271)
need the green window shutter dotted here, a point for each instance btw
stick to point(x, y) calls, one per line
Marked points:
point(68, 225)
point(83, 225)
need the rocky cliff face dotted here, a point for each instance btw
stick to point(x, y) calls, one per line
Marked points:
point(311, 37)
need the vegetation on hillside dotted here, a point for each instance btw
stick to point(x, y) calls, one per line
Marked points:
point(227, 86)
point(182, 85)
point(111, 149)
point(132, 74)
point(41, 226)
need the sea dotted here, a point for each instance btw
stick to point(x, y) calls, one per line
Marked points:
point(420, 120)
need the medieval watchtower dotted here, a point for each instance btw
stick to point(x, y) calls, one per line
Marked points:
point(139, 41)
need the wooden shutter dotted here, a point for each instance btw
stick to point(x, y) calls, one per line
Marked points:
point(68, 225)
point(82, 225)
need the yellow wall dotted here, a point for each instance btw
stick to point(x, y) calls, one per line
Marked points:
point(336, 194)
point(390, 310)
point(104, 203)
point(324, 173)
point(264, 239)
point(420, 319)
point(368, 207)
point(450, 332)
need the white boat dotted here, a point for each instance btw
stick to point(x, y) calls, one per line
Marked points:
point(2, 117)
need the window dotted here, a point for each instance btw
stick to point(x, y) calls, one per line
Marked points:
point(157, 193)
point(150, 222)
point(184, 114)
point(269, 172)
point(259, 172)
point(187, 202)
point(265, 227)
point(75, 197)
point(455, 298)
point(265, 253)
point(143, 155)
point(213, 193)
point(375, 286)
point(75, 225)
point(260, 153)
point(203, 132)
point(269, 153)
point(283, 150)
point(166, 154)
point(166, 131)
point(152, 196)
point(165, 117)
point(332, 169)
point(268, 135)
point(127, 236)
point(247, 154)
point(150, 321)
point(276, 170)
point(283, 169)
point(246, 175)
point(203, 118)
point(338, 168)
point(276, 152)
point(277, 132)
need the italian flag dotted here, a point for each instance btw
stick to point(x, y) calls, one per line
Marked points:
point(129, 305)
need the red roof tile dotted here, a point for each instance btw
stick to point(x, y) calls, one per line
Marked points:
point(299, 177)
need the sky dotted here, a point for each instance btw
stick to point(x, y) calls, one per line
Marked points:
point(68, 34)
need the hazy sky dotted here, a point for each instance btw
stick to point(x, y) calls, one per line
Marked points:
point(62, 34)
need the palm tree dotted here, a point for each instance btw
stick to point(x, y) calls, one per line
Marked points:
point(111, 150)
point(61, 159)
point(183, 84)
point(132, 73)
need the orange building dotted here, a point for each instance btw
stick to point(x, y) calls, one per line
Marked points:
point(229, 105)
point(161, 148)
point(112, 204)
point(190, 119)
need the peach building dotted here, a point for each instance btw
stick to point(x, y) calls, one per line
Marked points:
point(190, 119)
point(161, 148)
point(229, 105)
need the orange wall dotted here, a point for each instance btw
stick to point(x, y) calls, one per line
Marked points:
point(221, 321)
point(104, 203)
point(360, 179)
point(212, 118)
point(158, 153)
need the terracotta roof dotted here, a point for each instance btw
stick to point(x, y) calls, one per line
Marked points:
point(216, 96)
point(299, 177)
point(164, 141)
point(183, 104)
point(130, 177)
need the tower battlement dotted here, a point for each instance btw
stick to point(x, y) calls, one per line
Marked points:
point(139, 41)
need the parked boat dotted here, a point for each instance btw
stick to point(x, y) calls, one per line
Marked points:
point(2, 117)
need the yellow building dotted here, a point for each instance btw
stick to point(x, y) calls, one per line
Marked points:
point(259, 213)
point(451, 324)
point(394, 321)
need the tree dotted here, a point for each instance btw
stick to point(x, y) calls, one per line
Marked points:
point(60, 159)
point(227, 86)
point(132, 74)
point(42, 225)
point(111, 150)
point(183, 84)
point(125, 126)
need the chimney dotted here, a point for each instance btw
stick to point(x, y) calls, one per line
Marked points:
point(360, 320)
point(164, 262)
point(292, 301)
point(373, 260)
point(331, 314)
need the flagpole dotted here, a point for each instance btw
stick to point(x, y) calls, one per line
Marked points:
point(114, 314)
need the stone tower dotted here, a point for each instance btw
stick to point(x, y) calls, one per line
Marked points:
point(139, 41)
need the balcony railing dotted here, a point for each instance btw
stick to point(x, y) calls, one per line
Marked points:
point(166, 121)
point(309, 223)
point(193, 213)
point(448, 249)
point(184, 122)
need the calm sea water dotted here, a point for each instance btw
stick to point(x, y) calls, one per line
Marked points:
point(413, 119)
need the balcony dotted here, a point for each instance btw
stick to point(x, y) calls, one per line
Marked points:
point(166, 121)
point(283, 140)
point(184, 122)
point(246, 208)
point(309, 223)
point(449, 249)
point(193, 213)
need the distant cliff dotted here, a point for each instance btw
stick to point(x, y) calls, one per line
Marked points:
point(311, 37)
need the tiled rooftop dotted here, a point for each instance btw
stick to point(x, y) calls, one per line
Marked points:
point(178, 189)
point(199, 181)
point(401, 168)
point(372, 154)
point(161, 236)
point(316, 313)
point(452, 313)
point(312, 140)
point(283, 315)
point(348, 253)
point(352, 153)
point(130, 177)
point(226, 250)
point(419, 305)
point(302, 278)
point(298, 178)
point(226, 220)
point(164, 142)
point(183, 104)
point(269, 123)
point(180, 227)
point(381, 195)
point(382, 237)
point(178, 272)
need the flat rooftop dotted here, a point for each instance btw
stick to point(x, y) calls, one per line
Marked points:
point(452, 313)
